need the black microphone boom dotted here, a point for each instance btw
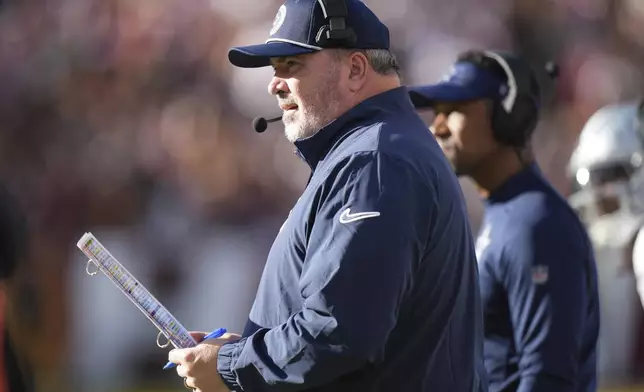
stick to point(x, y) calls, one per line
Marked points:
point(260, 123)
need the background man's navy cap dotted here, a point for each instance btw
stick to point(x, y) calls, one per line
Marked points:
point(464, 82)
point(296, 26)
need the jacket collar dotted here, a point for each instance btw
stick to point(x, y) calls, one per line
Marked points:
point(314, 148)
point(522, 181)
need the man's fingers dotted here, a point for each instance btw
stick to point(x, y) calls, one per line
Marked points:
point(189, 382)
point(199, 336)
point(182, 371)
point(181, 356)
point(225, 338)
point(231, 336)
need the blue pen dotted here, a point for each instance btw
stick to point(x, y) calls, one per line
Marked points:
point(212, 335)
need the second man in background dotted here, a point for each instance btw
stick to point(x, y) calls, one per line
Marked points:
point(536, 263)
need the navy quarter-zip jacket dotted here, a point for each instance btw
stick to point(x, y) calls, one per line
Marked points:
point(539, 290)
point(371, 283)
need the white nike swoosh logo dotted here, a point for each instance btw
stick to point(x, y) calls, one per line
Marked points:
point(348, 217)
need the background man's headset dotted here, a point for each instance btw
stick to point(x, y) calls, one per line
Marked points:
point(515, 116)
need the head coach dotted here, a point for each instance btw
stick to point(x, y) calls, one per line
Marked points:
point(536, 263)
point(371, 284)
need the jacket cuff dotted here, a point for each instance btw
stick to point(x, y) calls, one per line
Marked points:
point(226, 359)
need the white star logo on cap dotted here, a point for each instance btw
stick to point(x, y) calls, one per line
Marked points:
point(279, 19)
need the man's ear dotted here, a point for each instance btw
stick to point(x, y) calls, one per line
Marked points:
point(358, 69)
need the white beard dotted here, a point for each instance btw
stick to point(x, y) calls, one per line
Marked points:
point(299, 125)
point(296, 125)
point(320, 108)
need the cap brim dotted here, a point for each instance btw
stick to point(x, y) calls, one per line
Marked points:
point(428, 95)
point(256, 56)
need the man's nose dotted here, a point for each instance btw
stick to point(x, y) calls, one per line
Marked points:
point(439, 127)
point(277, 85)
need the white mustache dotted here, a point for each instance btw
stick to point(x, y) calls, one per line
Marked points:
point(286, 102)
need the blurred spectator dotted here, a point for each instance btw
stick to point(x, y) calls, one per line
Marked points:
point(15, 373)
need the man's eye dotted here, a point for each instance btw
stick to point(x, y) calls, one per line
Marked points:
point(286, 66)
point(444, 111)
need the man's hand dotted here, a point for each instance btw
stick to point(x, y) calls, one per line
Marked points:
point(198, 365)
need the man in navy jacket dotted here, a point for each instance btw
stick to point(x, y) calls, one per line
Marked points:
point(371, 283)
point(536, 263)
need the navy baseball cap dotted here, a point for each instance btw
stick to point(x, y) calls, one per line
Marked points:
point(464, 82)
point(298, 23)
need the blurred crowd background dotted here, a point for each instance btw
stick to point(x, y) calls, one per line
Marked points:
point(124, 118)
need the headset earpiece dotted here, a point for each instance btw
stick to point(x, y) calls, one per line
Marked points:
point(335, 33)
point(515, 115)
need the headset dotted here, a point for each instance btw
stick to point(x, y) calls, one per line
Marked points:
point(335, 33)
point(515, 116)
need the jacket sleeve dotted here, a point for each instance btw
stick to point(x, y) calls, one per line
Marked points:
point(365, 241)
point(546, 278)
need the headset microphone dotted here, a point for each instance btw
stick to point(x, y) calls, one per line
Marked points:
point(260, 123)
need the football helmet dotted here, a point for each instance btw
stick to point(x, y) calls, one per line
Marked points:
point(606, 166)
